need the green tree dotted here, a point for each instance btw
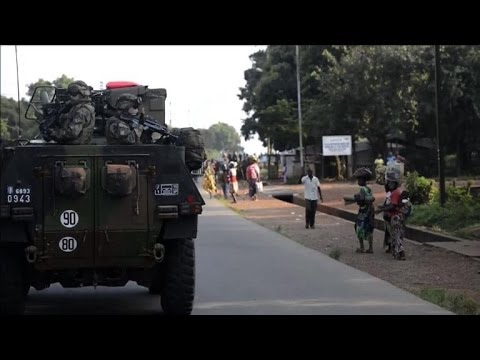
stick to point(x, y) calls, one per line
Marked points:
point(39, 82)
point(5, 130)
point(63, 81)
point(375, 92)
point(460, 99)
point(270, 97)
point(270, 93)
point(60, 82)
point(370, 92)
point(9, 118)
point(223, 137)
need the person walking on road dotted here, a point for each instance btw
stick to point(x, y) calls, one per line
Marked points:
point(379, 161)
point(232, 180)
point(223, 178)
point(253, 176)
point(312, 194)
point(209, 184)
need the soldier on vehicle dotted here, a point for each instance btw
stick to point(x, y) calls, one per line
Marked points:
point(76, 124)
point(118, 131)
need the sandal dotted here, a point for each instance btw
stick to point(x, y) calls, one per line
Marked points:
point(370, 251)
point(360, 250)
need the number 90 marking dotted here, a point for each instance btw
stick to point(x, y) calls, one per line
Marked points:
point(69, 218)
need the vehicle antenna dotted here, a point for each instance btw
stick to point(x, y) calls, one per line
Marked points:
point(18, 98)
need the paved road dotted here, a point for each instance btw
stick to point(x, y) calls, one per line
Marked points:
point(243, 268)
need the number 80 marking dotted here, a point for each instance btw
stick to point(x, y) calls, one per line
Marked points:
point(67, 244)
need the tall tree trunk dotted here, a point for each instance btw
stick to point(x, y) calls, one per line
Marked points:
point(458, 159)
point(354, 153)
point(269, 154)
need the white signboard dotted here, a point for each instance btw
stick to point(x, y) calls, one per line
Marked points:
point(337, 145)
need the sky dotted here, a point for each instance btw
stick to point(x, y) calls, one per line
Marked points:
point(202, 82)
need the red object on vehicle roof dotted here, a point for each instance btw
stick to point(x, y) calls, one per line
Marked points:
point(120, 84)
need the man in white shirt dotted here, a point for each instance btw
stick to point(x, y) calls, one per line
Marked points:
point(312, 194)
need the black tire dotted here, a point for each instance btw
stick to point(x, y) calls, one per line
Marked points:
point(178, 277)
point(12, 298)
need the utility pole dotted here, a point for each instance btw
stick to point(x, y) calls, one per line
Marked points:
point(299, 107)
point(18, 98)
point(441, 167)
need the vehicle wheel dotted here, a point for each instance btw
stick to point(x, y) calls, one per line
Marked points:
point(178, 277)
point(12, 299)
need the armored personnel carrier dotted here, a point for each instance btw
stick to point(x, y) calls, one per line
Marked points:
point(98, 214)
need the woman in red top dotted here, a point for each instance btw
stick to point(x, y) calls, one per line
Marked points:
point(232, 179)
point(253, 176)
point(396, 225)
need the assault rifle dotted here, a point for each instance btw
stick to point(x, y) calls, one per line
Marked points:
point(51, 112)
point(149, 125)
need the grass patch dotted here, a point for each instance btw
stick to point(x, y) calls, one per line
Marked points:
point(460, 216)
point(454, 302)
point(335, 253)
point(461, 219)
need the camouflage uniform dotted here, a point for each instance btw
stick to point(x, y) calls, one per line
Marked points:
point(119, 132)
point(76, 127)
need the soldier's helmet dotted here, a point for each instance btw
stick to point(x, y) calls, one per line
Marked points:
point(79, 88)
point(127, 101)
point(363, 173)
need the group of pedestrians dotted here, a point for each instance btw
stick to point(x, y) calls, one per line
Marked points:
point(225, 174)
point(396, 208)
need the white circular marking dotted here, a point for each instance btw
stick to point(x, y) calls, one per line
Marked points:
point(69, 218)
point(67, 244)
